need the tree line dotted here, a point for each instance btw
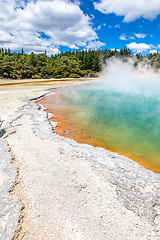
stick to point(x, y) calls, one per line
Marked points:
point(69, 64)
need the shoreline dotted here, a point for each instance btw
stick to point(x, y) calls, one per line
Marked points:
point(76, 177)
point(9, 82)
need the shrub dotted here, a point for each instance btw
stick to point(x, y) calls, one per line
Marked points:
point(13, 75)
point(58, 76)
point(36, 76)
point(74, 75)
point(93, 75)
point(5, 75)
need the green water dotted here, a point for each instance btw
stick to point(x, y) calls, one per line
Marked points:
point(124, 122)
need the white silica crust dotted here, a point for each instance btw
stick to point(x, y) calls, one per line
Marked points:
point(9, 206)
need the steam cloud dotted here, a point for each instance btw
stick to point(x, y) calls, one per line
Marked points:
point(120, 76)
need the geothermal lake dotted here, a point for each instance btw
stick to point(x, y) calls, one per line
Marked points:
point(121, 112)
point(122, 121)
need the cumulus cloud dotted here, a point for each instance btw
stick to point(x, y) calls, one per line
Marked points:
point(131, 10)
point(153, 51)
point(95, 45)
point(124, 37)
point(140, 35)
point(44, 24)
point(139, 47)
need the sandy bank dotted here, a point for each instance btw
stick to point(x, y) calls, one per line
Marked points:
point(64, 190)
point(53, 81)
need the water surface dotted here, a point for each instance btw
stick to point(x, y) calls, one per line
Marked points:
point(120, 121)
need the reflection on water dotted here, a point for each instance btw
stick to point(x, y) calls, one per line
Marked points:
point(123, 122)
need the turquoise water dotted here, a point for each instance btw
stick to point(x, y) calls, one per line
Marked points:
point(123, 122)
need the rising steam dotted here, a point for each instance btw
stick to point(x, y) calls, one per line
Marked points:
point(124, 77)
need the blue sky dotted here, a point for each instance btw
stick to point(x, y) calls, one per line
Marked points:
point(59, 25)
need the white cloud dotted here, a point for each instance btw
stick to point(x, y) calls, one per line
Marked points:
point(117, 26)
point(92, 16)
point(97, 28)
point(140, 35)
point(123, 37)
point(77, 2)
point(153, 51)
point(95, 45)
point(139, 47)
point(44, 24)
point(113, 49)
point(5, 38)
point(152, 46)
point(131, 10)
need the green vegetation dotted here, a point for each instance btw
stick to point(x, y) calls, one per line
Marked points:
point(71, 64)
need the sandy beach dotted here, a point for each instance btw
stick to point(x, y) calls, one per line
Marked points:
point(55, 188)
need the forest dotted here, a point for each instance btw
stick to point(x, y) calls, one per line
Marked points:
point(69, 64)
